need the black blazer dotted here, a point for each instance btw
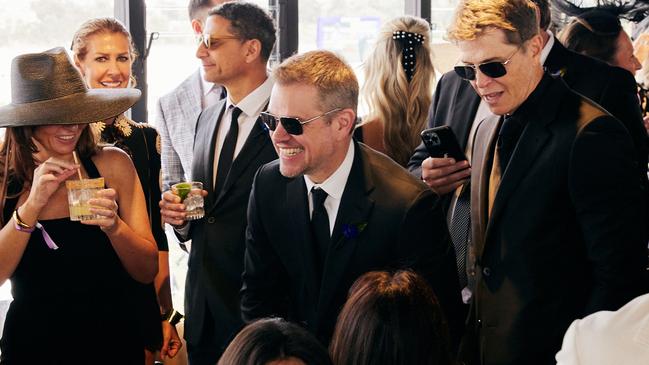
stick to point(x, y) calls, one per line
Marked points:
point(455, 102)
point(565, 237)
point(218, 240)
point(403, 229)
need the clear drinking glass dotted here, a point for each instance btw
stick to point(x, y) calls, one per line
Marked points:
point(79, 192)
point(190, 195)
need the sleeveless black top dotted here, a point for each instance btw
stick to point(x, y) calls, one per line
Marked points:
point(70, 305)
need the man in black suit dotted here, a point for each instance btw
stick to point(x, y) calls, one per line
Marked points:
point(557, 208)
point(230, 144)
point(457, 105)
point(331, 209)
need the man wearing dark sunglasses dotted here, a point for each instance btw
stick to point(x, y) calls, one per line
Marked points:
point(553, 238)
point(457, 105)
point(329, 209)
point(231, 143)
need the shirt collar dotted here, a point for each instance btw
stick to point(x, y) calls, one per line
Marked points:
point(547, 48)
point(334, 185)
point(254, 102)
point(205, 85)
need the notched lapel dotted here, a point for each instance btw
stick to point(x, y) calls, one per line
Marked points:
point(204, 164)
point(300, 226)
point(256, 142)
point(482, 159)
point(528, 147)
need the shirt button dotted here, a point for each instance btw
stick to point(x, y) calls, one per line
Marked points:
point(211, 220)
point(486, 271)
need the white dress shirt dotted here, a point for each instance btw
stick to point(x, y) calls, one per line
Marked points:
point(334, 186)
point(250, 106)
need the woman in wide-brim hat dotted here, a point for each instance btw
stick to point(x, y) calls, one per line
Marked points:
point(68, 277)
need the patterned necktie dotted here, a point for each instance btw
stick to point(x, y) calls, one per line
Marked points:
point(460, 227)
point(320, 225)
point(227, 151)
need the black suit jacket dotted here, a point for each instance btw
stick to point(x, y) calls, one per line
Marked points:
point(403, 229)
point(565, 236)
point(455, 102)
point(218, 240)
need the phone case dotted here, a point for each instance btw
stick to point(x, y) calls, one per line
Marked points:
point(441, 142)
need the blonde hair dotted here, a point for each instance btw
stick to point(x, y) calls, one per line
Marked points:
point(400, 106)
point(517, 18)
point(97, 26)
point(333, 78)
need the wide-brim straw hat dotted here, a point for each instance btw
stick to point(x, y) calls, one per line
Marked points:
point(47, 89)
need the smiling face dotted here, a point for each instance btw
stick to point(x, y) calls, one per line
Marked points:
point(108, 61)
point(322, 146)
point(58, 140)
point(504, 94)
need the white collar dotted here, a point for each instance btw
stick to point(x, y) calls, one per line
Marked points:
point(253, 103)
point(547, 48)
point(334, 185)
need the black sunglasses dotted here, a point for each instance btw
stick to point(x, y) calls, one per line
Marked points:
point(292, 125)
point(493, 69)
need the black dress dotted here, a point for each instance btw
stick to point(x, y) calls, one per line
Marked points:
point(141, 142)
point(71, 305)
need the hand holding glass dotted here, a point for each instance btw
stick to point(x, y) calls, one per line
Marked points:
point(190, 194)
point(79, 192)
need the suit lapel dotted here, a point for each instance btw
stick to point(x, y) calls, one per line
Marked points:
point(535, 135)
point(354, 210)
point(205, 165)
point(482, 159)
point(298, 207)
point(254, 144)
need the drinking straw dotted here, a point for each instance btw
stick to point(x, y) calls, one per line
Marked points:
point(76, 161)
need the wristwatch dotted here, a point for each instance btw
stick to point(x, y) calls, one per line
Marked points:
point(172, 316)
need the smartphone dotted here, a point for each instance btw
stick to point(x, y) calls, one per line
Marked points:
point(441, 142)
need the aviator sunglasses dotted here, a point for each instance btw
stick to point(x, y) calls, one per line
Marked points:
point(493, 69)
point(292, 125)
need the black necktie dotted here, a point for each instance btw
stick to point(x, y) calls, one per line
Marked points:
point(510, 131)
point(320, 224)
point(459, 228)
point(227, 151)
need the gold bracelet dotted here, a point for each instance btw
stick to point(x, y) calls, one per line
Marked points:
point(20, 222)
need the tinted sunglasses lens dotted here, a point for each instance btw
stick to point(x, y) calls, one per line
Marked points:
point(269, 120)
point(291, 125)
point(465, 72)
point(493, 69)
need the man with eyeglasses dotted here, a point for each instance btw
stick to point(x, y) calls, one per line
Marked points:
point(557, 208)
point(331, 209)
point(457, 105)
point(231, 143)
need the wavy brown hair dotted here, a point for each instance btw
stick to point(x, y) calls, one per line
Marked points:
point(17, 161)
point(400, 106)
point(390, 319)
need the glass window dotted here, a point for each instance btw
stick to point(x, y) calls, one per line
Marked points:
point(446, 54)
point(345, 27)
point(38, 25)
point(35, 26)
point(172, 57)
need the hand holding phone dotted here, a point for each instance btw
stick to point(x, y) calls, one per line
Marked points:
point(439, 172)
point(441, 142)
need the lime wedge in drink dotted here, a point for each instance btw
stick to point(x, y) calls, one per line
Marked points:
point(182, 189)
